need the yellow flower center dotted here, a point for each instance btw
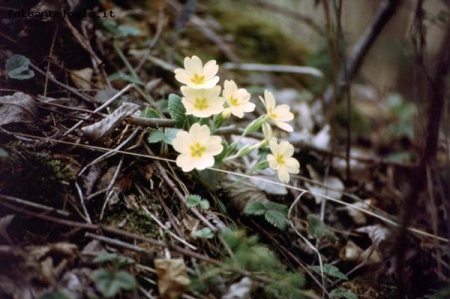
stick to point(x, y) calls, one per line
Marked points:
point(234, 101)
point(280, 160)
point(197, 150)
point(201, 103)
point(271, 114)
point(197, 79)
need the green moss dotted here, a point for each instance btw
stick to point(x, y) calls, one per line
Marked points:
point(33, 175)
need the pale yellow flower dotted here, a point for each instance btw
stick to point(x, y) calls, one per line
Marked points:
point(238, 99)
point(278, 114)
point(197, 148)
point(197, 76)
point(281, 159)
point(267, 131)
point(202, 102)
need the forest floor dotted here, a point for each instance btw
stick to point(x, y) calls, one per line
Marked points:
point(94, 205)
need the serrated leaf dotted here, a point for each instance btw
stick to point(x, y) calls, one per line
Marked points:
point(343, 293)
point(171, 134)
point(276, 218)
point(193, 200)
point(318, 229)
point(204, 233)
point(156, 136)
point(240, 193)
point(176, 110)
point(330, 270)
point(277, 207)
point(17, 67)
point(254, 208)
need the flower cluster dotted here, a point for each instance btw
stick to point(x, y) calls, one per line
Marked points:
point(203, 98)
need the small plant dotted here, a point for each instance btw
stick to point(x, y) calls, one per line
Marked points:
point(203, 109)
point(110, 282)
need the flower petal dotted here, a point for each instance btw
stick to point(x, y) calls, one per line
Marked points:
point(210, 69)
point(284, 126)
point(181, 142)
point(186, 162)
point(283, 175)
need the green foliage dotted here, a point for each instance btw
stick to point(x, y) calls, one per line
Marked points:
point(17, 67)
point(318, 229)
point(111, 283)
point(289, 285)
point(443, 293)
point(54, 295)
point(150, 112)
point(119, 76)
point(343, 293)
point(119, 30)
point(3, 153)
point(330, 270)
point(274, 213)
point(403, 112)
point(196, 200)
point(167, 136)
point(117, 260)
point(210, 178)
point(176, 110)
point(248, 253)
point(204, 233)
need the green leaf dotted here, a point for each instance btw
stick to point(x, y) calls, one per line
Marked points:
point(254, 208)
point(270, 205)
point(125, 30)
point(150, 112)
point(204, 233)
point(119, 260)
point(204, 204)
point(156, 136)
point(171, 134)
point(110, 283)
point(54, 295)
point(276, 218)
point(193, 200)
point(330, 270)
point(318, 229)
point(119, 76)
point(176, 110)
point(343, 293)
point(17, 67)
point(209, 178)
point(3, 153)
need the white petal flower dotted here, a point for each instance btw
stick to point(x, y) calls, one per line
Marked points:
point(278, 114)
point(197, 76)
point(238, 99)
point(197, 148)
point(281, 159)
point(202, 102)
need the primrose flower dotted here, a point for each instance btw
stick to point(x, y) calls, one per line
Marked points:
point(197, 76)
point(281, 159)
point(278, 114)
point(197, 148)
point(202, 102)
point(238, 99)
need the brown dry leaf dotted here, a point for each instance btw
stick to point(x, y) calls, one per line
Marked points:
point(107, 125)
point(173, 280)
point(82, 78)
point(18, 108)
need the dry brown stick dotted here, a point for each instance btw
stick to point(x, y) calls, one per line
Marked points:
point(66, 87)
point(436, 87)
point(177, 191)
point(384, 13)
point(33, 205)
